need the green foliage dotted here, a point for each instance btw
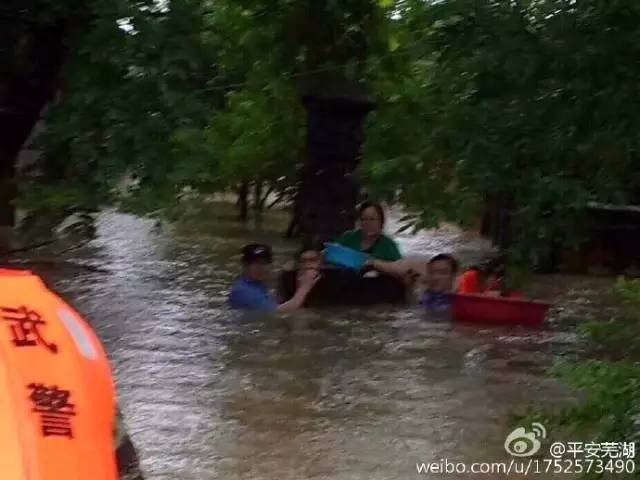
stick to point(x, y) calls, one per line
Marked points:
point(609, 409)
point(149, 201)
point(609, 384)
point(629, 291)
point(48, 205)
point(614, 338)
point(259, 134)
point(130, 97)
point(516, 99)
point(200, 93)
point(59, 198)
point(475, 98)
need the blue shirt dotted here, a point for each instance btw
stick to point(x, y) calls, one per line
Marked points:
point(435, 300)
point(247, 294)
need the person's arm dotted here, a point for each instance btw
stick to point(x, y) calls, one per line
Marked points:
point(295, 302)
point(398, 268)
point(306, 281)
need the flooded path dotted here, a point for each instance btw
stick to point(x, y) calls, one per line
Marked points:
point(211, 394)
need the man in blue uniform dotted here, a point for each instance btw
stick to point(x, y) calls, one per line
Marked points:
point(441, 271)
point(250, 292)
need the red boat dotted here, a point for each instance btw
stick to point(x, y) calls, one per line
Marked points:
point(498, 310)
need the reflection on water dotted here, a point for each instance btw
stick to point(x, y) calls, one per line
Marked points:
point(213, 394)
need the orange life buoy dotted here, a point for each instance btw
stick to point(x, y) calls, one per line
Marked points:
point(57, 416)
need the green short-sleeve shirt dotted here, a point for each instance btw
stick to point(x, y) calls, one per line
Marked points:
point(385, 247)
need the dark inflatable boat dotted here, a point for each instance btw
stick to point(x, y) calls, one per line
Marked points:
point(342, 287)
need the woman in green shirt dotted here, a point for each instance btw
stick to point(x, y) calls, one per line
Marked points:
point(369, 237)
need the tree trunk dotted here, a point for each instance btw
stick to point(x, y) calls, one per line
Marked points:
point(257, 199)
point(488, 218)
point(33, 58)
point(496, 222)
point(292, 229)
point(243, 201)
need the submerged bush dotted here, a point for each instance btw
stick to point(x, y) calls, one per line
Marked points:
point(608, 409)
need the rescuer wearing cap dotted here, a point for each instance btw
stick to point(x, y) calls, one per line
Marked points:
point(250, 291)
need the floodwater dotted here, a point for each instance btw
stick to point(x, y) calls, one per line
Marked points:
point(208, 393)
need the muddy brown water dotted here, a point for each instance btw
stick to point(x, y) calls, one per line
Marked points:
point(209, 393)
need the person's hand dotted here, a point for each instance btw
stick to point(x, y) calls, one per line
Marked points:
point(371, 263)
point(411, 277)
point(307, 278)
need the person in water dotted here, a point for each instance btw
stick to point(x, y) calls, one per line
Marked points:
point(369, 237)
point(309, 258)
point(250, 291)
point(441, 271)
point(307, 261)
point(487, 278)
point(482, 279)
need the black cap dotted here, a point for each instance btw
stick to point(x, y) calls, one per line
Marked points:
point(256, 252)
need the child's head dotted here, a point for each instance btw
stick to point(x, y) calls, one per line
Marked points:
point(491, 272)
point(309, 257)
point(441, 271)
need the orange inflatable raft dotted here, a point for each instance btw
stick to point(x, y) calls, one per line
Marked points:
point(57, 400)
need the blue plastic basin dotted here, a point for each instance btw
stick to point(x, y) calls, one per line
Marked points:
point(344, 256)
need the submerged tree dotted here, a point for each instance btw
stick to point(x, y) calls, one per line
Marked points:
point(531, 101)
point(196, 93)
point(36, 35)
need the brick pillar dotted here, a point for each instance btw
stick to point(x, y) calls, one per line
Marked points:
point(328, 188)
